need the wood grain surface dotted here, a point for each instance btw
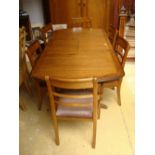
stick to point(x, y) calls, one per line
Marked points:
point(79, 54)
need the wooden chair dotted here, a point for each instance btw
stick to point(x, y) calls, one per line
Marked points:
point(83, 22)
point(37, 33)
point(34, 51)
point(46, 32)
point(23, 73)
point(74, 99)
point(112, 35)
point(121, 50)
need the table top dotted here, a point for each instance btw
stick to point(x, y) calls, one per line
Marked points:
point(78, 53)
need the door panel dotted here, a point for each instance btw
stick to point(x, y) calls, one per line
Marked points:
point(64, 10)
point(101, 12)
point(95, 10)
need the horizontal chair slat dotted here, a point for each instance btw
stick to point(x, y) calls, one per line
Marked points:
point(72, 96)
point(73, 118)
point(72, 85)
point(75, 104)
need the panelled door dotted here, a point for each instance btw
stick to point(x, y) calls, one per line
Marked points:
point(101, 11)
point(62, 11)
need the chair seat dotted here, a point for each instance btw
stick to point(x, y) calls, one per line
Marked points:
point(76, 111)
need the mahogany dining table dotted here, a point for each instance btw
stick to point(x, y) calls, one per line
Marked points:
point(79, 53)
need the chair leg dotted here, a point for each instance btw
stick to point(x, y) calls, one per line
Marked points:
point(22, 104)
point(26, 80)
point(55, 125)
point(101, 86)
point(100, 89)
point(27, 87)
point(40, 95)
point(99, 94)
point(94, 132)
point(119, 93)
point(40, 101)
point(98, 110)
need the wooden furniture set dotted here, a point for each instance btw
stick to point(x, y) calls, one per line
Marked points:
point(74, 65)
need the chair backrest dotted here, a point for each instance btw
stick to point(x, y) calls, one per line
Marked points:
point(37, 35)
point(57, 86)
point(22, 43)
point(83, 22)
point(112, 35)
point(46, 32)
point(121, 49)
point(34, 52)
point(22, 58)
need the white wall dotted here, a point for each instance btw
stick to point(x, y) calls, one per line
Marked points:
point(35, 11)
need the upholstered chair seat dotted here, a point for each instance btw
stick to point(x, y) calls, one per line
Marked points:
point(83, 111)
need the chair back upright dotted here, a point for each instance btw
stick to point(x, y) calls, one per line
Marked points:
point(46, 32)
point(83, 22)
point(22, 43)
point(22, 59)
point(23, 72)
point(121, 49)
point(112, 35)
point(34, 51)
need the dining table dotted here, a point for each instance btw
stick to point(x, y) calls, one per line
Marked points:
point(79, 53)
